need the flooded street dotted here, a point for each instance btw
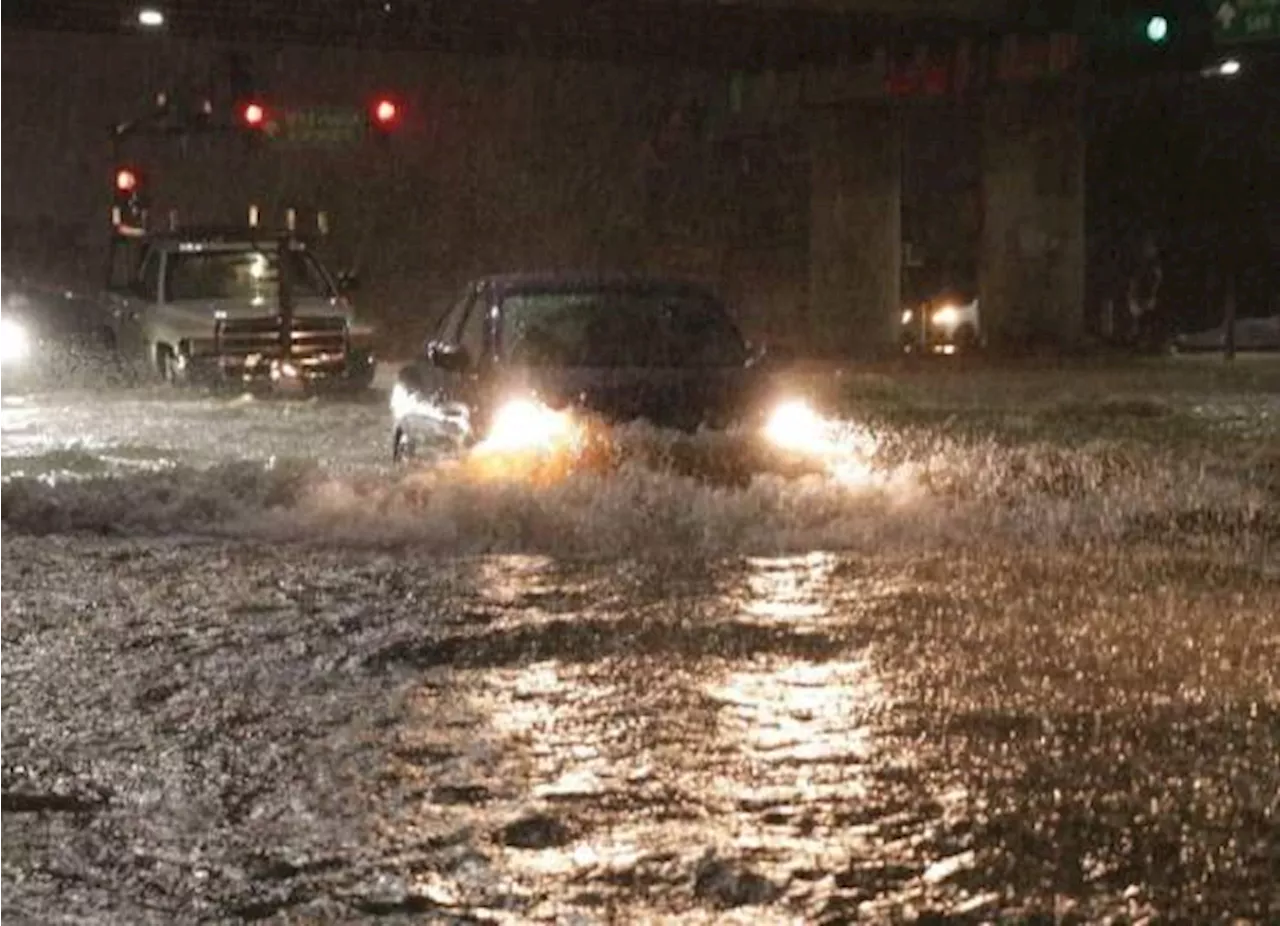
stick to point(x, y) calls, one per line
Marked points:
point(252, 673)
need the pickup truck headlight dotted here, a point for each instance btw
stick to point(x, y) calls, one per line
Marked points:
point(15, 343)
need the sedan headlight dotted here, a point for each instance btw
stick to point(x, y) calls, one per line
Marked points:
point(403, 402)
point(15, 344)
point(795, 426)
point(526, 424)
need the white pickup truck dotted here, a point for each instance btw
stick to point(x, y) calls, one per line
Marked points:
point(211, 305)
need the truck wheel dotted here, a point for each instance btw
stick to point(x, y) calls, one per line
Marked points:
point(164, 366)
point(170, 373)
point(363, 369)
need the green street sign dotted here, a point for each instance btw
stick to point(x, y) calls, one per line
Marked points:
point(1245, 20)
point(320, 125)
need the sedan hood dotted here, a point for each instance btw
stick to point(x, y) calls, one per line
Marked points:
point(674, 398)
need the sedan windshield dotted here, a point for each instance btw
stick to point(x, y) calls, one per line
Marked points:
point(618, 327)
point(234, 274)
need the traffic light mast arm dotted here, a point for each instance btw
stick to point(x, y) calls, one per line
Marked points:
point(164, 122)
point(153, 126)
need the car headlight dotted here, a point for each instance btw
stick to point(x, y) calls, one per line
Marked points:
point(794, 425)
point(14, 342)
point(946, 316)
point(907, 316)
point(403, 401)
point(526, 424)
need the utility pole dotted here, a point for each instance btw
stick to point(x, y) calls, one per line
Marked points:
point(284, 289)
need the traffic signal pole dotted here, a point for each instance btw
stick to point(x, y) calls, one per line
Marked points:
point(284, 292)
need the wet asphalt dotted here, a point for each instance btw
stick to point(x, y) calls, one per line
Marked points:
point(1015, 682)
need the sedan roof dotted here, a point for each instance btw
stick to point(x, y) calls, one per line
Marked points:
point(502, 283)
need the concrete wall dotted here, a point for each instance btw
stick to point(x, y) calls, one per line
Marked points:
point(855, 231)
point(500, 164)
point(1032, 260)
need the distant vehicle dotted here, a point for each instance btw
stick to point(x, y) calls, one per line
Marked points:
point(946, 324)
point(519, 359)
point(50, 337)
point(234, 305)
point(1251, 334)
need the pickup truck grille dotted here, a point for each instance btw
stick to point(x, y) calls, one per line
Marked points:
point(318, 345)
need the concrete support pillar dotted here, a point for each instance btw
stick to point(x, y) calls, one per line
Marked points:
point(1032, 273)
point(855, 231)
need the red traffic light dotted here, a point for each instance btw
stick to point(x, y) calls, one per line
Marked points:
point(126, 180)
point(385, 112)
point(253, 114)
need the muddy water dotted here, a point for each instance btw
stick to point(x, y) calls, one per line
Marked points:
point(964, 683)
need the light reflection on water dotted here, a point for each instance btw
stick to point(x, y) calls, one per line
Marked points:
point(789, 588)
point(699, 774)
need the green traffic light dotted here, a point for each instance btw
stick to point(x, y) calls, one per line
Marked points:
point(1157, 29)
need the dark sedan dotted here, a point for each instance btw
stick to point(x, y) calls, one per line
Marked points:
point(518, 362)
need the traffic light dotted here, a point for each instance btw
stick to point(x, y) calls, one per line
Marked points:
point(384, 116)
point(128, 205)
point(126, 181)
point(1149, 36)
point(252, 119)
point(386, 113)
point(252, 115)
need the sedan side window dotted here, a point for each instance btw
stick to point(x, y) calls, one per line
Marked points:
point(447, 332)
point(472, 336)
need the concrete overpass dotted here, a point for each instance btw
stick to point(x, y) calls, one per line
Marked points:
point(1002, 65)
point(741, 32)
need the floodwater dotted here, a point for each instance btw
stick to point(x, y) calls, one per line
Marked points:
point(252, 673)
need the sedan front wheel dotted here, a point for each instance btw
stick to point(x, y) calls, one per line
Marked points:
point(402, 448)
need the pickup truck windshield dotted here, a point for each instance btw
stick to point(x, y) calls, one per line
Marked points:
point(249, 274)
point(618, 327)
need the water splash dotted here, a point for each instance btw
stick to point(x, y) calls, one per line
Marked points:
point(693, 494)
